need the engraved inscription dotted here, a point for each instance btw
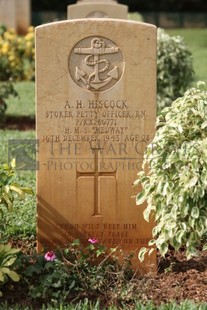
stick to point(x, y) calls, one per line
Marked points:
point(96, 64)
point(103, 122)
point(96, 174)
point(108, 233)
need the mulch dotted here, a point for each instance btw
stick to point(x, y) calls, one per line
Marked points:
point(179, 279)
point(19, 123)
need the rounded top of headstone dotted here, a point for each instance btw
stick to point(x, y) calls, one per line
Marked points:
point(97, 1)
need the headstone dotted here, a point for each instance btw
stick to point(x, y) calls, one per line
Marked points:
point(8, 13)
point(23, 15)
point(16, 14)
point(96, 108)
point(97, 9)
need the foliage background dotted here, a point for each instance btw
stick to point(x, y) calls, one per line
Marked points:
point(134, 5)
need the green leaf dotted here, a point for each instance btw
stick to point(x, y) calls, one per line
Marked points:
point(13, 163)
point(195, 212)
point(204, 247)
point(14, 251)
point(14, 276)
point(5, 270)
point(192, 182)
point(57, 284)
point(151, 251)
point(1, 276)
point(72, 285)
point(99, 252)
point(180, 236)
point(142, 253)
point(17, 190)
point(175, 243)
point(152, 242)
point(190, 252)
point(9, 261)
point(204, 125)
point(163, 248)
point(201, 84)
point(7, 200)
point(112, 250)
point(6, 248)
point(76, 242)
point(27, 190)
point(146, 214)
point(140, 198)
point(171, 224)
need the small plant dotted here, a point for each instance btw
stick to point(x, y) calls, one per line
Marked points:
point(7, 259)
point(10, 189)
point(175, 72)
point(175, 187)
point(75, 270)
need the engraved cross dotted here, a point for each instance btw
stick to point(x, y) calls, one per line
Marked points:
point(96, 174)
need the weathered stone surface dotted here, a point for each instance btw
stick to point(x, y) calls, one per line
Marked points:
point(96, 107)
point(8, 13)
point(16, 14)
point(23, 15)
point(97, 9)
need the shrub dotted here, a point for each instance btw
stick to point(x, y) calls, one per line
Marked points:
point(7, 259)
point(135, 16)
point(175, 187)
point(6, 90)
point(16, 55)
point(174, 68)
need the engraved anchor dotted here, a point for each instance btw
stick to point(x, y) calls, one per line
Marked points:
point(98, 48)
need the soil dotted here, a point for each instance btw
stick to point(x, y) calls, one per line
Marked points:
point(179, 279)
point(19, 123)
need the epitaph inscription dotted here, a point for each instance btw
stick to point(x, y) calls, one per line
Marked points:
point(96, 63)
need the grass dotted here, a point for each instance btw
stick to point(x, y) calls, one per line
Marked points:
point(22, 220)
point(87, 305)
point(5, 135)
point(196, 40)
point(24, 104)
